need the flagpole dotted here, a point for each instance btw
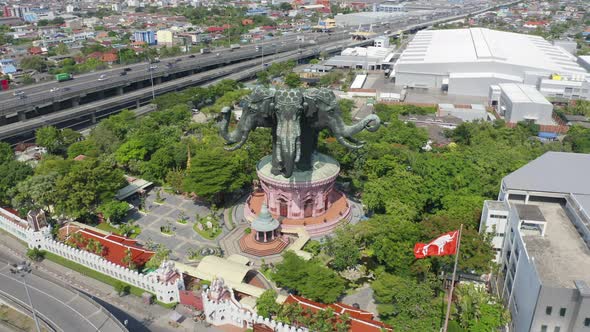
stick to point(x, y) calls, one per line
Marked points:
point(453, 281)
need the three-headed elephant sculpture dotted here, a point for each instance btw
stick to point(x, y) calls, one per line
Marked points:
point(296, 117)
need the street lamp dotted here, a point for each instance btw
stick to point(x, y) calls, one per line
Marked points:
point(152, 80)
point(23, 269)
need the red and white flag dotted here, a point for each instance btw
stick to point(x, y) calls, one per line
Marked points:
point(445, 244)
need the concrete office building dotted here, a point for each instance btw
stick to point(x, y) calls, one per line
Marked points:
point(521, 102)
point(541, 231)
point(148, 36)
point(165, 37)
point(468, 61)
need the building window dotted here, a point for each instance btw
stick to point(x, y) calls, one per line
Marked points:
point(543, 328)
point(548, 310)
point(498, 216)
point(562, 312)
point(557, 329)
point(587, 322)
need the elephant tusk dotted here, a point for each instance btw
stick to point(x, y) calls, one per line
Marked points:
point(347, 144)
point(237, 146)
point(355, 141)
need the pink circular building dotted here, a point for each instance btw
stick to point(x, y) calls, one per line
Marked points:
point(305, 199)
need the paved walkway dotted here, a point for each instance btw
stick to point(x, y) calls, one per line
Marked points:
point(167, 214)
point(364, 297)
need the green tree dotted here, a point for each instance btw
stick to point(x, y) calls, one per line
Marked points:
point(56, 141)
point(36, 254)
point(132, 150)
point(579, 138)
point(11, 173)
point(310, 279)
point(162, 254)
point(87, 184)
point(121, 288)
point(293, 80)
point(48, 137)
point(214, 172)
point(114, 211)
point(34, 62)
point(27, 79)
point(285, 6)
point(87, 147)
point(406, 304)
point(6, 153)
point(35, 192)
point(62, 49)
point(476, 310)
point(266, 304)
point(343, 248)
point(127, 260)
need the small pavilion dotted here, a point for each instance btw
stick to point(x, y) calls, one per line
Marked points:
point(265, 226)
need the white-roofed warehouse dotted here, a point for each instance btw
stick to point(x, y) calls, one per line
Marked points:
point(471, 60)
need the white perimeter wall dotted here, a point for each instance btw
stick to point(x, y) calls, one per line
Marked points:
point(165, 292)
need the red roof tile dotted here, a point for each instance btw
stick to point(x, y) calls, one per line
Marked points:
point(360, 320)
point(115, 246)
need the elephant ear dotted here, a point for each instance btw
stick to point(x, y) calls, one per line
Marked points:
point(310, 97)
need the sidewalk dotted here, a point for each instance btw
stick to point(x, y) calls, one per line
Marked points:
point(153, 317)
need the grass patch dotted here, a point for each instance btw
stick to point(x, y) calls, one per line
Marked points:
point(182, 221)
point(210, 234)
point(207, 233)
point(97, 275)
point(107, 227)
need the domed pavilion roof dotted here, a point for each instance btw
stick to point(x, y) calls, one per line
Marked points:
point(264, 222)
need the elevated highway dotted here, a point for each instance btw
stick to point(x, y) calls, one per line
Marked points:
point(43, 98)
point(98, 94)
point(91, 111)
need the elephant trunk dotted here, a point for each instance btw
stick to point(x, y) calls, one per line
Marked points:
point(289, 145)
point(239, 135)
point(345, 132)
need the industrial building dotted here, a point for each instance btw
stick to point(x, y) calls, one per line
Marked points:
point(370, 58)
point(521, 102)
point(467, 61)
point(540, 226)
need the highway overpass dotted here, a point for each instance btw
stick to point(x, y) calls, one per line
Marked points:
point(90, 112)
point(44, 98)
point(131, 91)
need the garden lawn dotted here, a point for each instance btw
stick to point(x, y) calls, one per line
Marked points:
point(105, 226)
point(209, 234)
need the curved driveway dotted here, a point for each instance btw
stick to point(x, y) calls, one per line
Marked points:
point(63, 308)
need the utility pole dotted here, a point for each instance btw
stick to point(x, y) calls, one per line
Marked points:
point(450, 300)
point(31, 303)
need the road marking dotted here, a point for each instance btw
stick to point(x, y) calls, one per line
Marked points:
point(53, 297)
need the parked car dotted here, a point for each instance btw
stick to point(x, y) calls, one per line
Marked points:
point(17, 93)
point(127, 69)
point(54, 89)
point(123, 73)
point(103, 77)
point(191, 56)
